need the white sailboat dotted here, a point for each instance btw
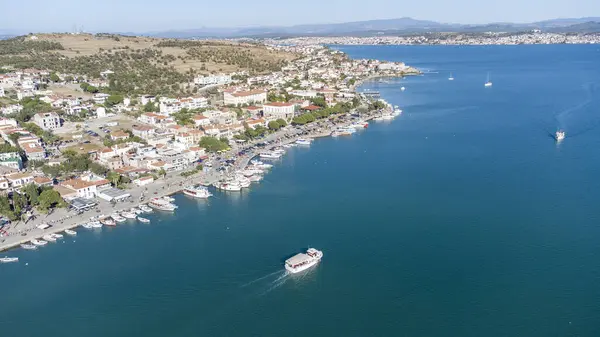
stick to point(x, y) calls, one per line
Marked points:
point(451, 78)
point(488, 82)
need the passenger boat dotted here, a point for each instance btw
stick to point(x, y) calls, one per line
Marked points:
point(303, 141)
point(257, 164)
point(232, 186)
point(168, 198)
point(118, 218)
point(129, 215)
point(301, 262)
point(144, 220)
point(28, 246)
point(7, 259)
point(270, 155)
point(70, 232)
point(162, 205)
point(243, 181)
point(49, 238)
point(39, 242)
point(197, 192)
point(560, 136)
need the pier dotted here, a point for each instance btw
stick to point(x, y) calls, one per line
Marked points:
point(371, 94)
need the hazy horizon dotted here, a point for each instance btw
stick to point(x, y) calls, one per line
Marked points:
point(153, 15)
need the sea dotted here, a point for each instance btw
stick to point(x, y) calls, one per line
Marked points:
point(461, 217)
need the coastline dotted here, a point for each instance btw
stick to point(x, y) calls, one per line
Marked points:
point(174, 184)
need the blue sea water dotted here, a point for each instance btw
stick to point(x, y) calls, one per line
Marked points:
point(462, 217)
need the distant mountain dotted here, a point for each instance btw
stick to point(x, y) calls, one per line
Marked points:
point(399, 26)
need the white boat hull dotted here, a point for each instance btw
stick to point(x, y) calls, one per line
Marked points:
point(302, 267)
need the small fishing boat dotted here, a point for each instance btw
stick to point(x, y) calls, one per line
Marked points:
point(144, 220)
point(70, 232)
point(39, 242)
point(28, 246)
point(7, 259)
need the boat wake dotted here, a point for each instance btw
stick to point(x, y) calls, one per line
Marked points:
point(276, 283)
point(262, 278)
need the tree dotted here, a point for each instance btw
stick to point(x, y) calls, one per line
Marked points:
point(319, 101)
point(54, 78)
point(49, 199)
point(97, 169)
point(114, 177)
point(162, 172)
point(32, 192)
point(113, 100)
point(52, 171)
point(274, 125)
point(212, 144)
point(149, 107)
point(282, 123)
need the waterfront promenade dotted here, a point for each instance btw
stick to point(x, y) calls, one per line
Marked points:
point(62, 219)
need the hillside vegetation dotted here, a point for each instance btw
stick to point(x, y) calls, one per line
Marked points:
point(141, 65)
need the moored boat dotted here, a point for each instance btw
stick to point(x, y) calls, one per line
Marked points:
point(118, 218)
point(128, 215)
point(303, 141)
point(39, 242)
point(162, 205)
point(7, 259)
point(108, 222)
point(70, 232)
point(197, 192)
point(146, 209)
point(96, 224)
point(28, 246)
point(270, 155)
point(87, 225)
point(144, 220)
point(57, 235)
point(301, 262)
point(49, 238)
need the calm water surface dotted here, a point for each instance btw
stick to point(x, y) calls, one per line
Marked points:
point(460, 218)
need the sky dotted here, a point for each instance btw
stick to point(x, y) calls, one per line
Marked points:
point(152, 15)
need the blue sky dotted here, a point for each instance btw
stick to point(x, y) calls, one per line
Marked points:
point(151, 15)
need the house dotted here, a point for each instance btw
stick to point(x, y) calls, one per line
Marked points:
point(279, 110)
point(100, 98)
point(200, 120)
point(143, 181)
point(33, 151)
point(12, 160)
point(84, 189)
point(47, 120)
point(8, 121)
point(19, 179)
point(143, 131)
point(119, 135)
point(212, 79)
point(253, 111)
point(152, 118)
point(42, 181)
point(253, 123)
point(145, 99)
point(311, 108)
point(244, 97)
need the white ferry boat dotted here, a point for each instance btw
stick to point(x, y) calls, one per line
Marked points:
point(70, 232)
point(303, 141)
point(257, 164)
point(229, 186)
point(49, 238)
point(39, 242)
point(28, 246)
point(161, 205)
point(197, 192)
point(7, 259)
point(301, 262)
point(270, 155)
point(560, 136)
point(144, 220)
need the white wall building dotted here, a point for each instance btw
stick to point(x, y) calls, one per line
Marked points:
point(279, 110)
point(47, 120)
point(244, 97)
point(212, 79)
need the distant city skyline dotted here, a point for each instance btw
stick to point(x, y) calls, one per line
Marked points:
point(153, 15)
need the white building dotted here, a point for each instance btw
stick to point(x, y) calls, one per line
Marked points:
point(2, 94)
point(100, 98)
point(244, 97)
point(279, 110)
point(212, 79)
point(47, 120)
